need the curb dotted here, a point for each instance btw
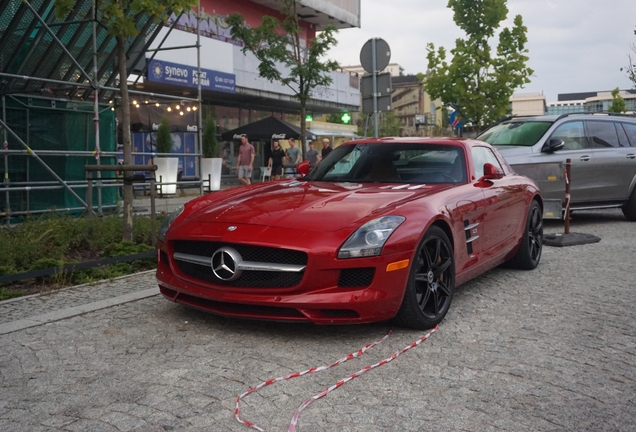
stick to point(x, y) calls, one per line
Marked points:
point(50, 317)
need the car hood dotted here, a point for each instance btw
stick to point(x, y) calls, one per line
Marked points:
point(316, 206)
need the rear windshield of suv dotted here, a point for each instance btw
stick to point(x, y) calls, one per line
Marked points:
point(515, 133)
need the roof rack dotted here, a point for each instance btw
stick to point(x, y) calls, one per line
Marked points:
point(595, 113)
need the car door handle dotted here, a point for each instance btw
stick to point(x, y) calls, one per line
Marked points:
point(585, 158)
point(631, 156)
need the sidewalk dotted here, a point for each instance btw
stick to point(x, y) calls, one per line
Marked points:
point(39, 309)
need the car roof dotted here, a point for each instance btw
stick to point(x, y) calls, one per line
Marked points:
point(554, 117)
point(454, 141)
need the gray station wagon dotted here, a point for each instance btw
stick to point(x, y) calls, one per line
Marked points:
point(601, 147)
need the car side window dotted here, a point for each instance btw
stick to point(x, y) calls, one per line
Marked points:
point(481, 156)
point(630, 130)
point(622, 136)
point(572, 134)
point(602, 134)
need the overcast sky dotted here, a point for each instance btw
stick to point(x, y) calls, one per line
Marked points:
point(574, 45)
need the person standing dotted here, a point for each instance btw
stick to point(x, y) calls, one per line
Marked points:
point(245, 161)
point(293, 153)
point(326, 147)
point(313, 156)
point(276, 161)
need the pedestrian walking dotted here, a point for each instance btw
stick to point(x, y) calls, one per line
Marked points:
point(245, 161)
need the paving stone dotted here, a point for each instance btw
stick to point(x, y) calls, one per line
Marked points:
point(550, 349)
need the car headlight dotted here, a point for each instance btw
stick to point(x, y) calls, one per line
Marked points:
point(161, 235)
point(369, 239)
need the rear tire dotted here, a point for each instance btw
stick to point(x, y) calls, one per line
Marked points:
point(429, 290)
point(529, 253)
point(629, 209)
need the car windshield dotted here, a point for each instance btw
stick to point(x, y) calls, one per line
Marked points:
point(515, 133)
point(392, 163)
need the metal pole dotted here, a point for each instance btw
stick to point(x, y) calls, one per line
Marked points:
point(96, 109)
point(153, 210)
point(568, 172)
point(375, 87)
point(5, 146)
point(89, 193)
point(200, 118)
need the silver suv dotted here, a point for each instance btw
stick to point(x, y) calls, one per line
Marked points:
point(602, 149)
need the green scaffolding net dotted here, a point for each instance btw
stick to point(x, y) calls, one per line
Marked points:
point(66, 128)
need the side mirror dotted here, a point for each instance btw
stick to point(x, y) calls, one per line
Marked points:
point(303, 168)
point(491, 172)
point(554, 144)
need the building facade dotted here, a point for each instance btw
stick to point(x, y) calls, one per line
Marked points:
point(567, 103)
point(245, 96)
point(230, 81)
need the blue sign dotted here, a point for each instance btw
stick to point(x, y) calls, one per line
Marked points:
point(187, 76)
point(182, 142)
point(456, 119)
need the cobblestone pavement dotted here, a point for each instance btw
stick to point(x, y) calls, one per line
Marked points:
point(547, 350)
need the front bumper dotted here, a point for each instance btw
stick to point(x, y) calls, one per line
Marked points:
point(318, 297)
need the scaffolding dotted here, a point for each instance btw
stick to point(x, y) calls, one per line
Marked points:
point(55, 78)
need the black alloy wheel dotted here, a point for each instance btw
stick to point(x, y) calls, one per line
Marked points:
point(529, 253)
point(431, 284)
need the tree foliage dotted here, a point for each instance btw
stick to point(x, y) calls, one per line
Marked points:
point(118, 17)
point(618, 103)
point(210, 147)
point(388, 124)
point(476, 82)
point(631, 65)
point(164, 137)
point(276, 44)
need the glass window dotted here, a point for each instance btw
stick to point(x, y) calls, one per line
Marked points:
point(515, 133)
point(622, 137)
point(572, 134)
point(481, 156)
point(392, 163)
point(630, 130)
point(603, 134)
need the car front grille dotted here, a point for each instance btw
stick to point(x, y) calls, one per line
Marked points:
point(248, 278)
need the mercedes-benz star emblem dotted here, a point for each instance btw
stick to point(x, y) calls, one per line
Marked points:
point(225, 264)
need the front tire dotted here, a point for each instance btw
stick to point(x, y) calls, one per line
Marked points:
point(529, 253)
point(431, 283)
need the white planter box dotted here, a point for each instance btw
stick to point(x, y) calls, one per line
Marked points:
point(167, 170)
point(211, 170)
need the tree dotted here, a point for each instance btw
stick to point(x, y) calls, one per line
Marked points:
point(118, 17)
point(210, 145)
point(631, 65)
point(475, 82)
point(618, 103)
point(276, 43)
point(389, 124)
point(164, 137)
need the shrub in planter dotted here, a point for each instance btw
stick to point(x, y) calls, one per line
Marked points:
point(211, 163)
point(210, 148)
point(167, 167)
point(164, 138)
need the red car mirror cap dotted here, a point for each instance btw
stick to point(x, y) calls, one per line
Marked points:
point(491, 172)
point(303, 168)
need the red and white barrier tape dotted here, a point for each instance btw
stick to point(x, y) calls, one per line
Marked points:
point(294, 421)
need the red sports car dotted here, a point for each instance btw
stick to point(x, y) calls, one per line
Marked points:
point(379, 229)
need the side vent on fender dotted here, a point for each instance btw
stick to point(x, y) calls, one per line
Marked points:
point(470, 229)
